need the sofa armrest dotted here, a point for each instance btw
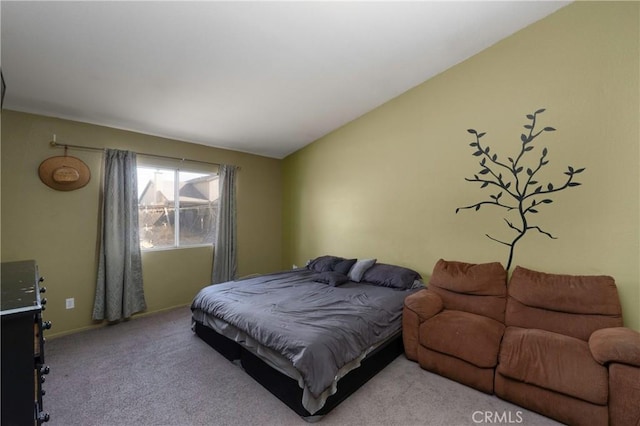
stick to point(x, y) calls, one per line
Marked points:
point(424, 304)
point(418, 307)
point(617, 344)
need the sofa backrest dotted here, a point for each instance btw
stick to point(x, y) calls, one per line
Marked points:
point(477, 288)
point(573, 305)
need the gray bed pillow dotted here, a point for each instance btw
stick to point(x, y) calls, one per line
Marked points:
point(332, 278)
point(359, 268)
point(324, 263)
point(344, 266)
point(392, 276)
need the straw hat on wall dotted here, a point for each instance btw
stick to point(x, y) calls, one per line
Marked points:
point(64, 173)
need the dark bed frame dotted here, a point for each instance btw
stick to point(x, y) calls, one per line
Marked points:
point(285, 388)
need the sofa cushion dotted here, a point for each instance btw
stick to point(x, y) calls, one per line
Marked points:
point(576, 294)
point(483, 279)
point(566, 409)
point(575, 305)
point(477, 288)
point(456, 369)
point(553, 361)
point(470, 337)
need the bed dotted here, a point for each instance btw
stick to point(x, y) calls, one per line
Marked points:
point(311, 336)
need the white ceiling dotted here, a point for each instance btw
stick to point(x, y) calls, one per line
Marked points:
point(261, 77)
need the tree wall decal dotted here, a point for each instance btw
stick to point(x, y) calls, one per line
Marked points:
point(516, 184)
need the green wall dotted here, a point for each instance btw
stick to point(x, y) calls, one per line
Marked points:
point(387, 184)
point(59, 229)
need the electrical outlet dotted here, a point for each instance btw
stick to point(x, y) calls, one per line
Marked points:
point(71, 303)
point(295, 266)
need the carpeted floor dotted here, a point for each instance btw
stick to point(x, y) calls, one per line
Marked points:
point(154, 371)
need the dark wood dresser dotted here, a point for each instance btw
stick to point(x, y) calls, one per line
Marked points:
point(23, 367)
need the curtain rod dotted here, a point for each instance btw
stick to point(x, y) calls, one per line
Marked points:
point(55, 144)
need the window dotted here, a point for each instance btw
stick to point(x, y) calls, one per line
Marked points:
point(176, 208)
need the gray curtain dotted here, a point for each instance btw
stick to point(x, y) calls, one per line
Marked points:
point(119, 291)
point(224, 252)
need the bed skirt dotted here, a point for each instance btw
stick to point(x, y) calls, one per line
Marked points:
point(287, 389)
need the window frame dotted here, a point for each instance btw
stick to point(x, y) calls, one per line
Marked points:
point(176, 207)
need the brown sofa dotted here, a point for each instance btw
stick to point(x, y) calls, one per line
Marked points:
point(561, 350)
point(454, 328)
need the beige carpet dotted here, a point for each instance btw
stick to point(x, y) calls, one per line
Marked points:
point(154, 371)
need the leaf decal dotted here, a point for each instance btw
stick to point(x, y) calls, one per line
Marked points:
point(516, 187)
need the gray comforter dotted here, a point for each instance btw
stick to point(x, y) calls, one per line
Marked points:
point(317, 327)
